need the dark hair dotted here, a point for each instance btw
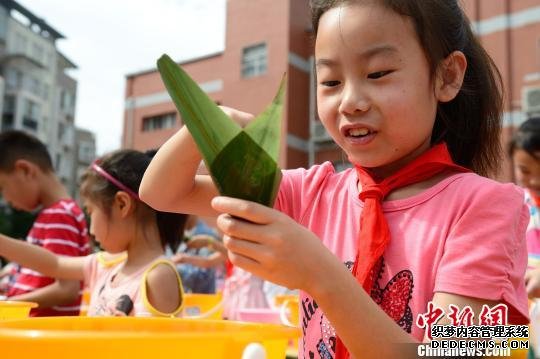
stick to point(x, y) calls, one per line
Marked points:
point(128, 167)
point(16, 145)
point(527, 138)
point(470, 124)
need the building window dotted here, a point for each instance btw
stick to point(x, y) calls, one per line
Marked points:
point(9, 104)
point(31, 113)
point(86, 152)
point(254, 60)
point(20, 44)
point(67, 101)
point(159, 122)
point(14, 78)
point(7, 121)
point(8, 117)
point(37, 53)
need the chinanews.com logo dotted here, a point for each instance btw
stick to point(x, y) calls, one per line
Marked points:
point(489, 336)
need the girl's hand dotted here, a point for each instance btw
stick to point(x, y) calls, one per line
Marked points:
point(178, 258)
point(270, 244)
point(241, 118)
point(532, 281)
point(200, 241)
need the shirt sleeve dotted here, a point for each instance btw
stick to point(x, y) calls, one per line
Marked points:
point(485, 254)
point(300, 187)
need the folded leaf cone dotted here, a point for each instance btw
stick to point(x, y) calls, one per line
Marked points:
point(242, 162)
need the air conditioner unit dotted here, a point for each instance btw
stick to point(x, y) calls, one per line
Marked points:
point(319, 133)
point(530, 99)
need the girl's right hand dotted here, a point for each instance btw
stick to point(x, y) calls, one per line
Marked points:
point(271, 245)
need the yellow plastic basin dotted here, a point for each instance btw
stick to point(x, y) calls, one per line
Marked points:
point(15, 310)
point(130, 337)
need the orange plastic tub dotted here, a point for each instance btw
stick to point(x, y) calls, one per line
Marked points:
point(133, 338)
point(15, 309)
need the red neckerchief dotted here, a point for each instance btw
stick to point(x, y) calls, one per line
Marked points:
point(374, 233)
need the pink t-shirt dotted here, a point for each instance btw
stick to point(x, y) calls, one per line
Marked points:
point(465, 236)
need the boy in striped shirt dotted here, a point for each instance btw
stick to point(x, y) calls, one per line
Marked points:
point(28, 182)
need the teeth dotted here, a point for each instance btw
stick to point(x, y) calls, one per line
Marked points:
point(359, 132)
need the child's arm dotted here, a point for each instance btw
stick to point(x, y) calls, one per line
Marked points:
point(170, 184)
point(41, 260)
point(211, 261)
point(443, 301)
point(61, 292)
point(162, 288)
point(204, 240)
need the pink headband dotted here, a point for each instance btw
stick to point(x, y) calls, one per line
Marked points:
point(114, 181)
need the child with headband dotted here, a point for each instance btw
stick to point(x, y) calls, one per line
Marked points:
point(143, 282)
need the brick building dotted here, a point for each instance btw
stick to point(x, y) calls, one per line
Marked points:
point(265, 38)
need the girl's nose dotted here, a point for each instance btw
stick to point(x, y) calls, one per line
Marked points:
point(353, 100)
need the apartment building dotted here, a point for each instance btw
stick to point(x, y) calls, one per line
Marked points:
point(265, 38)
point(85, 153)
point(38, 94)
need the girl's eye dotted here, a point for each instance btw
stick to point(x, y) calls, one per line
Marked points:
point(378, 74)
point(330, 83)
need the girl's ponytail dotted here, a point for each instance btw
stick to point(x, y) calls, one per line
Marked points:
point(171, 228)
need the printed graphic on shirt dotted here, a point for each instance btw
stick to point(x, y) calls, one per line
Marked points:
point(393, 298)
point(108, 306)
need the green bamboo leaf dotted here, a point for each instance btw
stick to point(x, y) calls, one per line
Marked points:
point(206, 122)
point(265, 129)
point(242, 162)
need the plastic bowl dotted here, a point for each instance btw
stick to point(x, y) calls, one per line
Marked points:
point(15, 309)
point(133, 338)
point(202, 306)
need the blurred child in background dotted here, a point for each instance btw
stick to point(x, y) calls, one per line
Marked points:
point(143, 282)
point(28, 182)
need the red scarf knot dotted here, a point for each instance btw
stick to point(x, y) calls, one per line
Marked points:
point(373, 191)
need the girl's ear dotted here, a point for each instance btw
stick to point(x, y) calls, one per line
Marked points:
point(124, 203)
point(450, 74)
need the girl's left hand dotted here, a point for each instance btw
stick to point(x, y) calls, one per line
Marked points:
point(270, 244)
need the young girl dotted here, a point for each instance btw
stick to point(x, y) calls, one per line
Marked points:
point(143, 283)
point(405, 89)
point(525, 152)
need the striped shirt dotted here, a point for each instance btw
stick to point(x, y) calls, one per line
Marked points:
point(60, 228)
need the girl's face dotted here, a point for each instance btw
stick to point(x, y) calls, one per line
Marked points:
point(109, 235)
point(527, 171)
point(374, 92)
